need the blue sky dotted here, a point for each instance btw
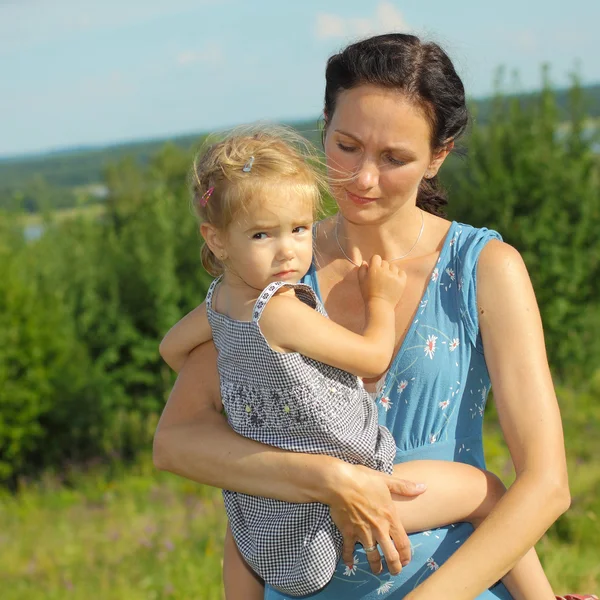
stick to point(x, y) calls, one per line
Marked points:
point(91, 72)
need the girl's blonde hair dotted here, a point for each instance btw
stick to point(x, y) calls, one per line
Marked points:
point(236, 171)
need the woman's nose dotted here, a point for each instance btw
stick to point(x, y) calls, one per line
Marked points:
point(367, 176)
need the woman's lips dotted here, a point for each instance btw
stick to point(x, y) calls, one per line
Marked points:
point(360, 200)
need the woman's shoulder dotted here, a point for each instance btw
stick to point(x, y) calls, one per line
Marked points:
point(467, 243)
point(500, 263)
point(465, 233)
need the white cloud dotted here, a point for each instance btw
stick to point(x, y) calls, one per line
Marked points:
point(330, 26)
point(387, 18)
point(210, 54)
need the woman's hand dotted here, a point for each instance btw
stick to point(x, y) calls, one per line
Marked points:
point(364, 512)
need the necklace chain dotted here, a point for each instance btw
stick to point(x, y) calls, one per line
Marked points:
point(337, 239)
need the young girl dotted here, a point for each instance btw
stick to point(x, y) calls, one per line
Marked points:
point(290, 376)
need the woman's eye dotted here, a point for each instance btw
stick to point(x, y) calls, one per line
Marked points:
point(345, 148)
point(259, 236)
point(395, 161)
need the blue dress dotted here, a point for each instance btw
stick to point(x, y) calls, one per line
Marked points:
point(432, 400)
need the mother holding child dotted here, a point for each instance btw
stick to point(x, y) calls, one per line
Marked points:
point(429, 312)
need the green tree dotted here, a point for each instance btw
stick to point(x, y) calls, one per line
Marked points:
point(536, 180)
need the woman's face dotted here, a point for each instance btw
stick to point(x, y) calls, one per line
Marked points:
point(382, 141)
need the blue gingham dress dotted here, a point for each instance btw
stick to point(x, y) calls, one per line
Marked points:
point(432, 400)
point(295, 403)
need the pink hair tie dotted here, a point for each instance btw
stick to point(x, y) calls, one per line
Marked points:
point(207, 194)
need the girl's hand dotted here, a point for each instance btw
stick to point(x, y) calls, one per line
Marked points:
point(364, 512)
point(380, 279)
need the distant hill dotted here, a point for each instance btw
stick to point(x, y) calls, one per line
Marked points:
point(84, 166)
point(63, 171)
point(591, 101)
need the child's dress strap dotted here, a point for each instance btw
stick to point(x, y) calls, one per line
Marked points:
point(211, 291)
point(303, 292)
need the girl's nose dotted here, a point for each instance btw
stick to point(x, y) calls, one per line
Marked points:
point(286, 252)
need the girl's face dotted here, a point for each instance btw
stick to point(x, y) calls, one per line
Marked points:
point(272, 241)
point(382, 141)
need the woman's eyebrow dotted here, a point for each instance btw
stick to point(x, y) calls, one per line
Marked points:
point(395, 147)
point(350, 135)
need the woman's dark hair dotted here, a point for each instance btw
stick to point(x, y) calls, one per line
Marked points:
point(423, 72)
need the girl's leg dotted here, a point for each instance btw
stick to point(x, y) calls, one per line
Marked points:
point(239, 580)
point(455, 493)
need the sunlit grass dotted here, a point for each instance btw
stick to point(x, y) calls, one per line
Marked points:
point(133, 533)
point(141, 534)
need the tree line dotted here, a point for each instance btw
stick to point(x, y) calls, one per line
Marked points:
point(83, 308)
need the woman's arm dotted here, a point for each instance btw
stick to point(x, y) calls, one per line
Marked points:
point(194, 440)
point(188, 333)
point(529, 416)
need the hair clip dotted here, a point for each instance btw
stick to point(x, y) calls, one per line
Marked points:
point(207, 194)
point(248, 166)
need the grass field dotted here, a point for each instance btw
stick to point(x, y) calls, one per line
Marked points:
point(132, 533)
point(128, 535)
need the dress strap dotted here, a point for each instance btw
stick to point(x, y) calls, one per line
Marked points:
point(211, 291)
point(467, 252)
point(303, 292)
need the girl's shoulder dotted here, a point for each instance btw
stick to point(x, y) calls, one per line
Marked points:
point(281, 296)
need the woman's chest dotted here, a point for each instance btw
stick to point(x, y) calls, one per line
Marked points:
point(345, 305)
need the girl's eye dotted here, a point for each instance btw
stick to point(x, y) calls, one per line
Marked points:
point(299, 229)
point(259, 236)
point(345, 148)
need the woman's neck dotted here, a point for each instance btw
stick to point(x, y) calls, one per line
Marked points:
point(399, 237)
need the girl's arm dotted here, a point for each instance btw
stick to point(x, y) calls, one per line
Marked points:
point(290, 325)
point(191, 331)
point(193, 440)
point(457, 492)
point(239, 580)
point(529, 416)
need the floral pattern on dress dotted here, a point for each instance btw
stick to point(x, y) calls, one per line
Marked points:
point(433, 400)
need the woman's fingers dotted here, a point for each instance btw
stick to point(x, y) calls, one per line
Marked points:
point(401, 544)
point(348, 550)
point(388, 549)
point(374, 559)
point(403, 487)
point(366, 513)
point(391, 554)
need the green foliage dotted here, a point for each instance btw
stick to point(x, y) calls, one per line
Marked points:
point(537, 180)
point(82, 311)
point(83, 308)
point(569, 550)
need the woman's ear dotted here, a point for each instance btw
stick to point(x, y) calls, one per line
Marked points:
point(439, 156)
point(214, 240)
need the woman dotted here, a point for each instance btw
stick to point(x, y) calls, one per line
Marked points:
point(394, 107)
